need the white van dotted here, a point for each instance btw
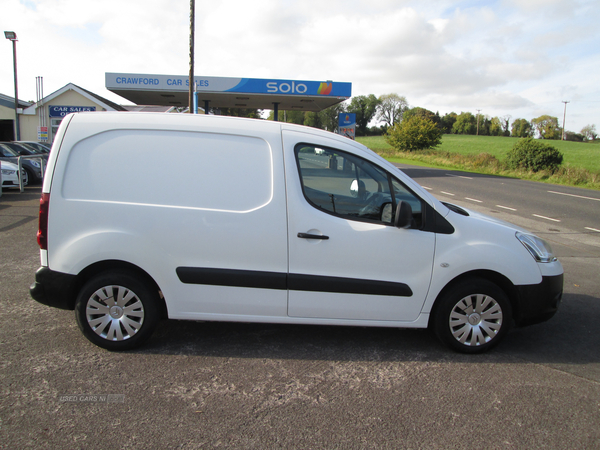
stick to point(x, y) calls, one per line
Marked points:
point(151, 216)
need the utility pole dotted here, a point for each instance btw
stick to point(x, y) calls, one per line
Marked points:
point(478, 121)
point(564, 132)
point(192, 26)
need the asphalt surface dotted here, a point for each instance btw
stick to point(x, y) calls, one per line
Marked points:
point(226, 385)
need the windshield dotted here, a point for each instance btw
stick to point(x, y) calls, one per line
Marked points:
point(7, 151)
point(33, 149)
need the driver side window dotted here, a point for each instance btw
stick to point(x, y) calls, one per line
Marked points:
point(344, 185)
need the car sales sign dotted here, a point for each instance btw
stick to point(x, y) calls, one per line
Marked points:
point(62, 111)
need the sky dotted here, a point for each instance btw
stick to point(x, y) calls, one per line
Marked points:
point(517, 58)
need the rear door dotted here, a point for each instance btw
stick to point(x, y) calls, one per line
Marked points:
point(346, 259)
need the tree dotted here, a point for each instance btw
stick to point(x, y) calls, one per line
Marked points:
point(505, 124)
point(466, 123)
point(572, 136)
point(422, 112)
point(447, 122)
point(414, 133)
point(547, 127)
point(329, 116)
point(391, 108)
point(292, 116)
point(241, 112)
point(589, 132)
point(313, 119)
point(496, 128)
point(365, 108)
point(484, 125)
point(521, 128)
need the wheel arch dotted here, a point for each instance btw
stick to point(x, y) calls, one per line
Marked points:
point(117, 265)
point(489, 275)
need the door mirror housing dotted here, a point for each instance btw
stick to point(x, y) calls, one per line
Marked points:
point(404, 216)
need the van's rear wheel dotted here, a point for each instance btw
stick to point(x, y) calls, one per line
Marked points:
point(472, 316)
point(117, 311)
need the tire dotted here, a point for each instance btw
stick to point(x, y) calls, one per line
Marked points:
point(26, 177)
point(117, 310)
point(472, 316)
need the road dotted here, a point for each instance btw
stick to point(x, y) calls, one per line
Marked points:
point(255, 386)
point(562, 206)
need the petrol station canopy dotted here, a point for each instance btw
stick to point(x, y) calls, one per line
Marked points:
point(221, 92)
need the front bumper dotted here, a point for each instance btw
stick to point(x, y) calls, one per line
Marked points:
point(539, 302)
point(54, 289)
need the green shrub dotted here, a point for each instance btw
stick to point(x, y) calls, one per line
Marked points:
point(415, 133)
point(534, 156)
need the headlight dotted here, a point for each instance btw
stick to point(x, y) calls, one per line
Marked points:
point(539, 248)
point(35, 164)
point(8, 172)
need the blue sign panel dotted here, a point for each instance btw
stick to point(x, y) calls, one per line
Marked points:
point(289, 87)
point(347, 120)
point(347, 125)
point(62, 111)
point(224, 84)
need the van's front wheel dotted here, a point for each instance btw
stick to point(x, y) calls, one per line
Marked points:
point(472, 316)
point(117, 311)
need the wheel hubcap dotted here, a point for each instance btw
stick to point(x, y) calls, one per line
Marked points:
point(475, 320)
point(115, 313)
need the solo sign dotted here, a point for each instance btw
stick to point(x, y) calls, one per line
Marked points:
point(62, 111)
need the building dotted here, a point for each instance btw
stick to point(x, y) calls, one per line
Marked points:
point(39, 121)
point(50, 111)
point(7, 116)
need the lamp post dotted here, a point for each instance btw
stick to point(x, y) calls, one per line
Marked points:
point(12, 36)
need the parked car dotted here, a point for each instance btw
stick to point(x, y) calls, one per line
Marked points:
point(10, 151)
point(39, 146)
point(269, 222)
point(9, 175)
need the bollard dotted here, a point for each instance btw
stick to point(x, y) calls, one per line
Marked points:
point(20, 167)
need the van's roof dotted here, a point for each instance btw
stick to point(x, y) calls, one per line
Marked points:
point(120, 119)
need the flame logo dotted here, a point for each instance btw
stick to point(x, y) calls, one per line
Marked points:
point(325, 88)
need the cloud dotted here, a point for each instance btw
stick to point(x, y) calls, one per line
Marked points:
point(459, 55)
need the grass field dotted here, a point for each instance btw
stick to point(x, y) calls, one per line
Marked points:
point(581, 160)
point(576, 154)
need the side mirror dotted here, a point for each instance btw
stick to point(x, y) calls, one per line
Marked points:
point(404, 215)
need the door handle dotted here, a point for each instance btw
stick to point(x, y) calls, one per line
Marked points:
point(312, 236)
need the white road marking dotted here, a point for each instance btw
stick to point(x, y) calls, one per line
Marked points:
point(573, 195)
point(592, 229)
point(473, 200)
point(505, 207)
point(458, 176)
point(425, 187)
point(447, 193)
point(547, 218)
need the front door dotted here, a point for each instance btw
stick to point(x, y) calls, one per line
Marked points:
point(346, 259)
